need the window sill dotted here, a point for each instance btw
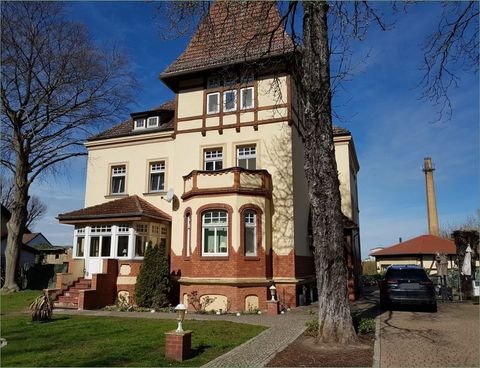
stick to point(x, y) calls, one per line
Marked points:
point(162, 193)
point(120, 195)
point(214, 258)
point(251, 258)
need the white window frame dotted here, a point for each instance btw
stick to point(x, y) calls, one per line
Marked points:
point(234, 91)
point(141, 230)
point(243, 155)
point(249, 224)
point(241, 99)
point(116, 174)
point(189, 233)
point(160, 169)
point(217, 110)
point(215, 158)
point(142, 126)
point(101, 231)
point(153, 119)
point(216, 227)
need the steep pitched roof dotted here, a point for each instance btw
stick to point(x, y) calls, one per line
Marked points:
point(424, 244)
point(125, 128)
point(132, 206)
point(233, 32)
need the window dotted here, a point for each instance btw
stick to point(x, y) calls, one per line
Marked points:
point(80, 246)
point(152, 122)
point(106, 246)
point(247, 157)
point(213, 103)
point(214, 233)
point(101, 229)
point(157, 176)
point(250, 233)
point(230, 100)
point(140, 239)
point(213, 159)
point(118, 179)
point(246, 98)
point(188, 240)
point(122, 249)
point(139, 123)
point(94, 246)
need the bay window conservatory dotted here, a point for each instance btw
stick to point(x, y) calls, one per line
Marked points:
point(122, 241)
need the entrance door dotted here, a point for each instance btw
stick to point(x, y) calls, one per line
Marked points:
point(93, 263)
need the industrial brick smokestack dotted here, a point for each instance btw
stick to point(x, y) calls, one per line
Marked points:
point(431, 200)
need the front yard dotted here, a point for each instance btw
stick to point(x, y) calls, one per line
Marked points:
point(106, 341)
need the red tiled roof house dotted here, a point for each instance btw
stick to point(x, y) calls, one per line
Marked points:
point(216, 176)
point(420, 251)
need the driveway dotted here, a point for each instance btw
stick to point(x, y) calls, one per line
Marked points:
point(448, 338)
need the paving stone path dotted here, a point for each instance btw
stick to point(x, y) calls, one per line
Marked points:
point(448, 338)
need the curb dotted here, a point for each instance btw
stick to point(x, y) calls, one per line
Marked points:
point(376, 347)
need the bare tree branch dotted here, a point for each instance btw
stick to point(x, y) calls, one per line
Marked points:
point(451, 48)
point(57, 88)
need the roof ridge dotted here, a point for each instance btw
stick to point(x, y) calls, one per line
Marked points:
point(254, 32)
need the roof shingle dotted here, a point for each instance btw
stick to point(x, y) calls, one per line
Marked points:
point(424, 244)
point(124, 207)
point(234, 32)
point(125, 128)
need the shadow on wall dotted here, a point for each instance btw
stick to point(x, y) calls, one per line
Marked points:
point(278, 156)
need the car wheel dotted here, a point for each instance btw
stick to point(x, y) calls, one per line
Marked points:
point(433, 308)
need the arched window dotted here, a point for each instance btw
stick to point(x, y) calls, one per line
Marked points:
point(188, 234)
point(215, 233)
point(250, 232)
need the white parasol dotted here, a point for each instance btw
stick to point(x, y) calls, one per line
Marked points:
point(467, 262)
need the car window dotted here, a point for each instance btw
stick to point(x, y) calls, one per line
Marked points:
point(411, 274)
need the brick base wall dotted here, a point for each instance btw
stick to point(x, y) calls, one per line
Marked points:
point(178, 345)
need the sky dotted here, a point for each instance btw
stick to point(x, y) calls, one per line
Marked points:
point(393, 129)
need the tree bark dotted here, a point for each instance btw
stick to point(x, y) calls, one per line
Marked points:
point(335, 322)
point(16, 224)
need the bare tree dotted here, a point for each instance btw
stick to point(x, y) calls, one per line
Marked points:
point(57, 88)
point(453, 46)
point(36, 209)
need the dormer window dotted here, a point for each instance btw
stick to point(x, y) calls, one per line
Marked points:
point(246, 98)
point(230, 100)
point(152, 122)
point(139, 123)
point(213, 103)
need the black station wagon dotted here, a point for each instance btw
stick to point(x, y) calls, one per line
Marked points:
point(409, 285)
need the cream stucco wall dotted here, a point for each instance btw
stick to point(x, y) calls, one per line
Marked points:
point(279, 151)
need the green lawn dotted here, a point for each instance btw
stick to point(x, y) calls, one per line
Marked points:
point(17, 302)
point(104, 341)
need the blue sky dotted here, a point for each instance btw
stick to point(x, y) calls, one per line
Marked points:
point(392, 128)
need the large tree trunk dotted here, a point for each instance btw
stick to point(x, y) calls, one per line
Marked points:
point(335, 322)
point(16, 224)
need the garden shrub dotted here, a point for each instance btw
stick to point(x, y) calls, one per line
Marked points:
point(153, 282)
point(312, 328)
point(366, 325)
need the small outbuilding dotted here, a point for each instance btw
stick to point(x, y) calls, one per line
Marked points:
point(421, 251)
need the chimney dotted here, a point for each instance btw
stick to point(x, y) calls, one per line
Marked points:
point(431, 200)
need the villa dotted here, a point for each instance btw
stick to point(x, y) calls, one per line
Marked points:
point(215, 176)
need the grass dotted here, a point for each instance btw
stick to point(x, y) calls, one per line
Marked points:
point(17, 302)
point(107, 341)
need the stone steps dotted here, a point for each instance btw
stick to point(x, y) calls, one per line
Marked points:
point(69, 298)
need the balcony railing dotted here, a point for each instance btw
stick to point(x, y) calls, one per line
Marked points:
point(226, 181)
